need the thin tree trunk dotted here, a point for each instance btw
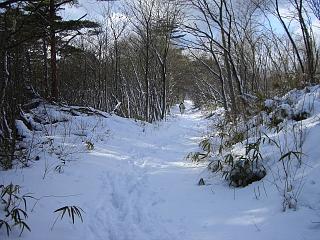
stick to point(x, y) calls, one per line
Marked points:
point(307, 42)
point(290, 37)
point(53, 62)
point(226, 61)
point(146, 79)
point(6, 78)
point(164, 91)
point(45, 68)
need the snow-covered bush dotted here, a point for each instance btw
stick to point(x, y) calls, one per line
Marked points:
point(278, 125)
point(241, 170)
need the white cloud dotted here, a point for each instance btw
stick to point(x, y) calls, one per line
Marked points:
point(93, 8)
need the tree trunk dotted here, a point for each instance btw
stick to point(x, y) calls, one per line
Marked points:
point(6, 78)
point(295, 48)
point(308, 42)
point(164, 92)
point(53, 51)
point(146, 78)
point(227, 62)
point(45, 68)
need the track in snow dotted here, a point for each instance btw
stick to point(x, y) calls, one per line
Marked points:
point(134, 194)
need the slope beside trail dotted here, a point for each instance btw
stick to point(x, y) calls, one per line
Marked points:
point(136, 185)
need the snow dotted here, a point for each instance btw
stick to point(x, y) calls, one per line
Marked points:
point(137, 185)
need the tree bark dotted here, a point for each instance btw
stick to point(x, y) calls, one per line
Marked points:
point(45, 68)
point(53, 51)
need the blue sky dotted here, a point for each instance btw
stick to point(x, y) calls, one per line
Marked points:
point(94, 9)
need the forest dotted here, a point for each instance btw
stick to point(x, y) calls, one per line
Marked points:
point(138, 59)
point(151, 54)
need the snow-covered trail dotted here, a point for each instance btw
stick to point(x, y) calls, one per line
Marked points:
point(147, 194)
point(151, 193)
point(136, 185)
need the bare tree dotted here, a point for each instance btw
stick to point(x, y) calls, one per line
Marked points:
point(315, 6)
point(140, 13)
point(168, 17)
point(214, 25)
point(300, 15)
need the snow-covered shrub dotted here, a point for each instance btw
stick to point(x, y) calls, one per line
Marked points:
point(278, 132)
point(241, 170)
point(296, 105)
point(244, 173)
point(228, 134)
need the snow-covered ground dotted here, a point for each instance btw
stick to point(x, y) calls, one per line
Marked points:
point(135, 184)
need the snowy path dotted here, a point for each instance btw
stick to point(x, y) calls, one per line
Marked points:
point(137, 185)
point(148, 191)
point(152, 194)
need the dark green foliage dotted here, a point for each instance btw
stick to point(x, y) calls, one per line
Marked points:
point(201, 182)
point(24, 61)
point(241, 170)
point(301, 116)
point(206, 146)
point(234, 138)
point(7, 153)
point(60, 167)
point(72, 211)
point(274, 122)
point(229, 134)
point(197, 156)
point(15, 214)
point(289, 154)
point(89, 145)
point(244, 173)
point(6, 225)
